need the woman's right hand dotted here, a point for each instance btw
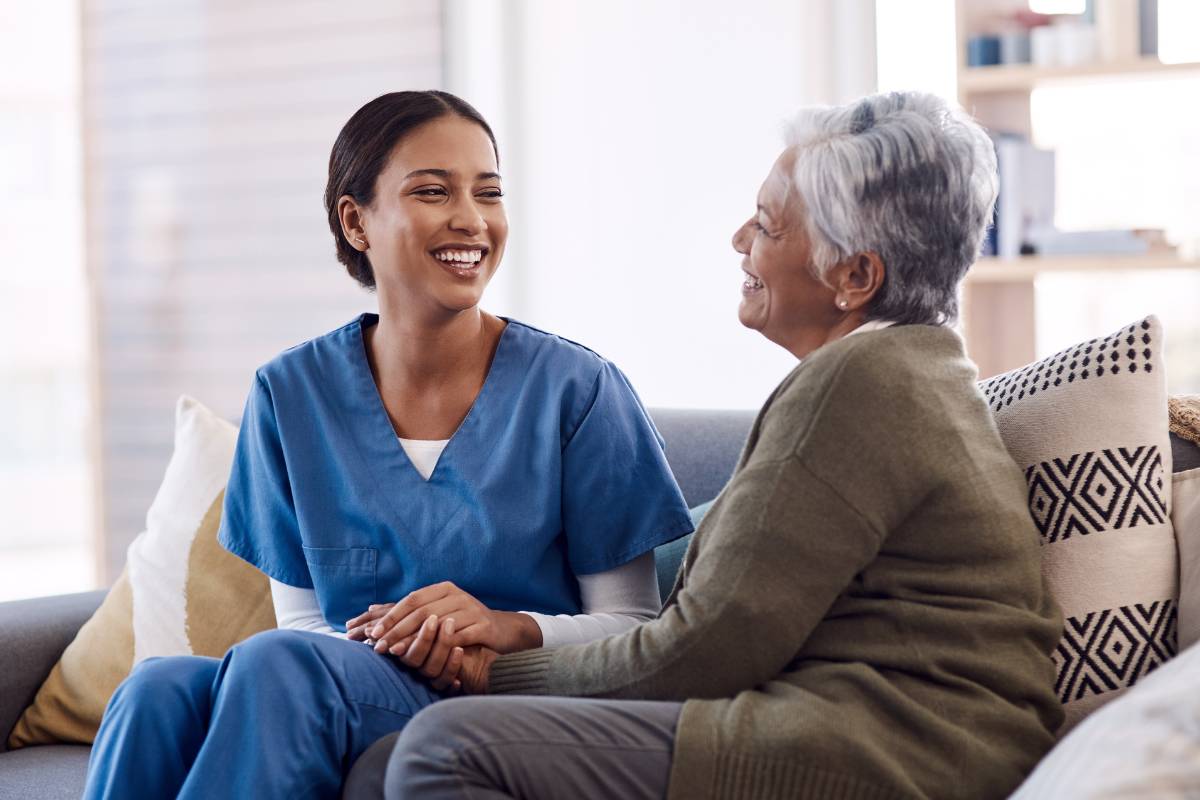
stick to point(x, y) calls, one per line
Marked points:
point(356, 629)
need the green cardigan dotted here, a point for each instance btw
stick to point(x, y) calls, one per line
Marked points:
point(861, 613)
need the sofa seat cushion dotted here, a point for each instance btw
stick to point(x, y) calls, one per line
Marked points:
point(52, 772)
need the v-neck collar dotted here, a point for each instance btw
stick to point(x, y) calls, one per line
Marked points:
point(381, 424)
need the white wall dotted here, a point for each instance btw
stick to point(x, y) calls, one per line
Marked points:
point(633, 138)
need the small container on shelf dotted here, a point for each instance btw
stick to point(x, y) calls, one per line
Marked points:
point(983, 50)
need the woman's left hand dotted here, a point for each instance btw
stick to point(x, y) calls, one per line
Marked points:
point(476, 624)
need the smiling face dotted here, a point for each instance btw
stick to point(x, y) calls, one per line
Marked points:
point(781, 298)
point(436, 229)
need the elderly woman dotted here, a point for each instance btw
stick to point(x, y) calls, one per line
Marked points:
point(861, 613)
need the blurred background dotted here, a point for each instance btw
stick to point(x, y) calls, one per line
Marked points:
point(162, 167)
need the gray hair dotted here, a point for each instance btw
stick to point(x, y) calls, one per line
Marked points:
point(905, 175)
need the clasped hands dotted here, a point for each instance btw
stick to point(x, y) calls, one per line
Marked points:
point(446, 635)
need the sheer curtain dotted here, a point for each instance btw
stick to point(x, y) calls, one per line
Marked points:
point(46, 480)
point(208, 130)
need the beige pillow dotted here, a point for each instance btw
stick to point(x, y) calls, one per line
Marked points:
point(1185, 518)
point(1088, 426)
point(181, 593)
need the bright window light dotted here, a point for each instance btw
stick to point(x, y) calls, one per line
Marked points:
point(1178, 22)
point(1058, 6)
point(1125, 158)
point(914, 42)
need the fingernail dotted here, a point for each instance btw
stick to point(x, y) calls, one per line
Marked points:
point(449, 624)
point(397, 649)
point(380, 646)
point(377, 630)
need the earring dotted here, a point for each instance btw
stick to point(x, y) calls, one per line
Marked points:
point(842, 303)
point(360, 239)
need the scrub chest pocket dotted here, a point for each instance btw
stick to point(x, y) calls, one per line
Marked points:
point(344, 580)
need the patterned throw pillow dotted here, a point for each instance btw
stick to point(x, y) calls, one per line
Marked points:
point(181, 593)
point(1088, 426)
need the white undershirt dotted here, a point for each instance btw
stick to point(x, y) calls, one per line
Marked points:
point(613, 601)
point(873, 325)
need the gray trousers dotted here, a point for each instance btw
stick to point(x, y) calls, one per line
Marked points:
point(523, 747)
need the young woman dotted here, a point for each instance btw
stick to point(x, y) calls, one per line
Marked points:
point(433, 474)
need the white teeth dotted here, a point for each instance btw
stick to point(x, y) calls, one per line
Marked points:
point(752, 282)
point(468, 256)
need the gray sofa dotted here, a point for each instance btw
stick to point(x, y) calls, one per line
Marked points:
point(702, 447)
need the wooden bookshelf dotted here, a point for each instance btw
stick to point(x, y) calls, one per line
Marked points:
point(975, 81)
point(1027, 268)
point(998, 316)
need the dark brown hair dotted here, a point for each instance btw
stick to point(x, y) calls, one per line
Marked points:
point(362, 149)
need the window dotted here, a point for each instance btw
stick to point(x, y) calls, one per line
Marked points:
point(46, 490)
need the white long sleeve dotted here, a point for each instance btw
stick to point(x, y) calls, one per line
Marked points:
point(613, 602)
point(297, 609)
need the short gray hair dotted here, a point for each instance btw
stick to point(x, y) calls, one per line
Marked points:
point(905, 175)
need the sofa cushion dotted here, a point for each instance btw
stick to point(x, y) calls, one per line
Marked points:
point(1185, 518)
point(53, 772)
point(702, 447)
point(669, 556)
point(1184, 454)
point(1088, 426)
point(180, 592)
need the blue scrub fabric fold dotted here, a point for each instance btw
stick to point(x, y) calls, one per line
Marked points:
point(283, 714)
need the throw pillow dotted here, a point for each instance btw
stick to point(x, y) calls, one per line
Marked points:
point(1088, 426)
point(668, 557)
point(181, 593)
point(1143, 745)
point(1185, 518)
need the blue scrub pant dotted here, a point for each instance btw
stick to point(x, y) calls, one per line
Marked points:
point(284, 714)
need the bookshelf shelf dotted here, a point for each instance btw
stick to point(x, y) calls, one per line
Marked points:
point(1024, 77)
point(999, 320)
point(1027, 268)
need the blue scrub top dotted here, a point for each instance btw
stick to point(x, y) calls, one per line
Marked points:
point(556, 471)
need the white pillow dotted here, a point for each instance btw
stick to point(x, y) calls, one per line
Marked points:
point(1146, 744)
point(1088, 426)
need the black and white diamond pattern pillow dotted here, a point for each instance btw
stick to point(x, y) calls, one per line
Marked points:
point(1088, 426)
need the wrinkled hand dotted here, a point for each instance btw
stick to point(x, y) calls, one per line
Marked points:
point(475, 672)
point(395, 625)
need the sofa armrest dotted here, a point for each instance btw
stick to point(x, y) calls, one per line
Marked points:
point(33, 635)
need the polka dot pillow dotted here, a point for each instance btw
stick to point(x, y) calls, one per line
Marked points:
point(1088, 426)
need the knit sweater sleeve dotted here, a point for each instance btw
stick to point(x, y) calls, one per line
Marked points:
point(774, 553)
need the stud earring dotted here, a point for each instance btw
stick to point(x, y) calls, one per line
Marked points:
point(842, 303)
point(360, 239)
